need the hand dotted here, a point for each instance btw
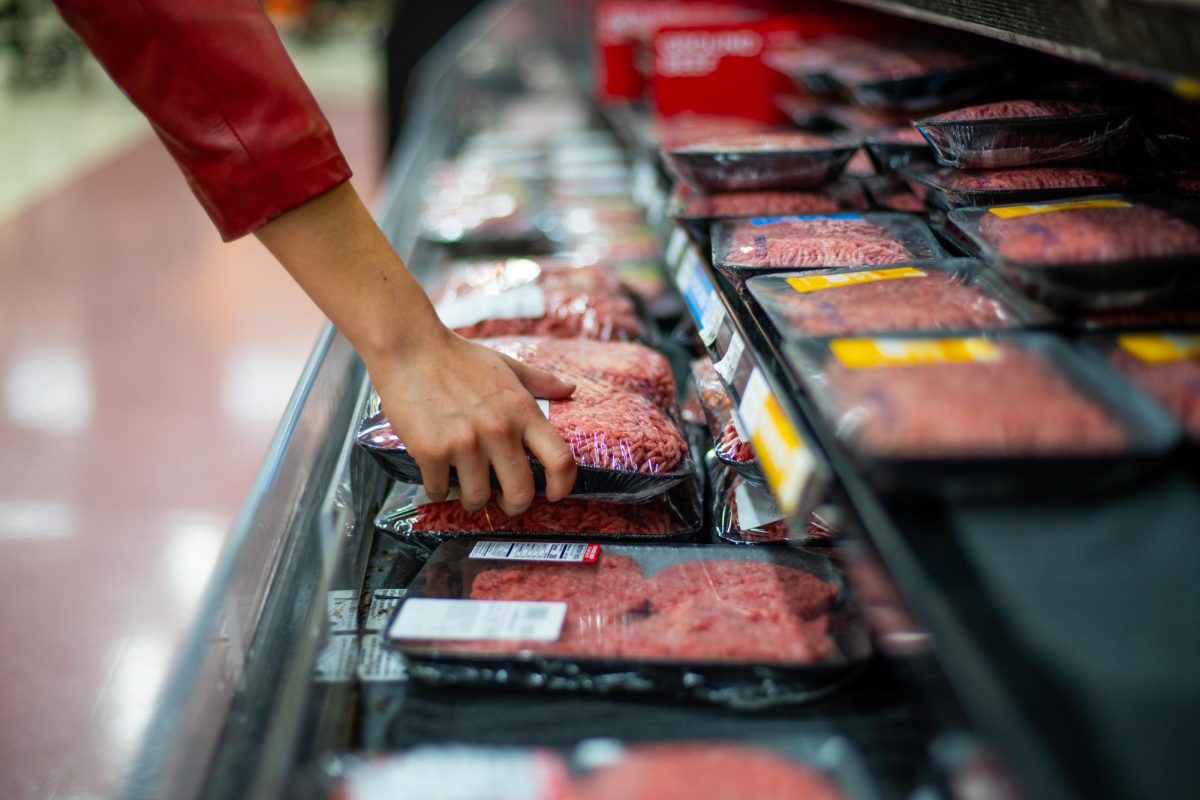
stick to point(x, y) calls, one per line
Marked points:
point(458, 404)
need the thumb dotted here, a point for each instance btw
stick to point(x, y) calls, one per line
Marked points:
point(539, 382)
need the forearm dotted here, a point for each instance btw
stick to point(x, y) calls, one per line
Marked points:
point(335, 251)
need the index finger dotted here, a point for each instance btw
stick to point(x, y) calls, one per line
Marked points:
point(555, 456)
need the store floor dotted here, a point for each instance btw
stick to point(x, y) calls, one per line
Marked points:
point(143, 368)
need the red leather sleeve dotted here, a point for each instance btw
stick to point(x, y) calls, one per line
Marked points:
point(221, 92)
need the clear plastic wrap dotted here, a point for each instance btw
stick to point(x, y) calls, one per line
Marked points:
point(1166, 365)
point(747, 514)
point(729, 446)
point(779, 625)
point(788, 160)
point(620, 423)
point(765, 245)
point(522, 296)
point(950, 295)
point(811, 66)
point(1091, 252)
point(675, 515)
point(961, 188)
point(1018, 133)
point(474, 211)
point(892, 149)
point(983, 413)
point(912, 76)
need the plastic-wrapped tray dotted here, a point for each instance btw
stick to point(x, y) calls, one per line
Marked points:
point(890, 194)
point(729, 445)
point(913, 78)
point(779, 625)
point(1091, 252)
point(789, 160)
point(523, 296)
point(1165, 365)
point(949, 295)
point(675, 515)
point(1020, 133)
point(988, 414)
point(743, 513)
point(621, 423)
point(765, 245)
point(696, 211)
point(961, 188)
point(892, 149)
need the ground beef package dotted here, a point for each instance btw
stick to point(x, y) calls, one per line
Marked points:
point(729, 445)
point(1166, 365)
point(747, 514)
point(743, 248)
point(522, 296)
point(913, 77)
point(964, 188)
point(697, 211)
point(892, 149)
point(746, 627)
point(473, 212)
point(1018, 133)
point(621, 422)
point(605, 769)
point(793, 160)
point(1092, 252)
point(675, 515)
point(950, 295)
point(984, 414)
point(888, 193)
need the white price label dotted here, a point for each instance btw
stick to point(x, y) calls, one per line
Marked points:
point(711, 319)
point(675, 247)
point(755, 508)
point(341, 607)
point(335, 663)
point(537, 551)
point(383, 603)
point(493, 620)
point(460, 772)
point(521, 302)
point(728, 364)
point(378, 663)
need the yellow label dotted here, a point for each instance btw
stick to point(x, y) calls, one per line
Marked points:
point(816, 283)
point(1187, 88)
point(1155, 348)
point(869, 353)
point(783, 454)
point(1009, 212)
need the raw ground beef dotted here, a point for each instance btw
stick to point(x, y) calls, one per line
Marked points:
point(1090, 235)
point(938, 301)
point(760, 143)
point(718, 411)
point(634, 367)
point(1027, 178)
point(731, 447)
point(704, 772)
point(744, 610)
point(776, 531)
point(814, 243)
point(1018, 109)
point(569, 516)
point(1175, 384)
point(758, 204)
point(580, 301)
point(1016, 406)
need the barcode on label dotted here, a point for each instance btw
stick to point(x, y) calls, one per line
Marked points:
point(537, 551)
point(497, 620)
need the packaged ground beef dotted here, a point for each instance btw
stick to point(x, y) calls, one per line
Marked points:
point(547, 297)
point(765, 245)
point(1018, 133)
point(621, 422)
point(1165, 364)
point(737, 163)
point(914, 76)
point(695, 209)
point(684, 620)
point(969, 409)
point(963, 188)
point(892, 149)
point(1108, 251)
point(890, 194)
point(475, 212)
point(950, 295)
point(730, 446)
point(744, 513)
point(676, 515)
point(684, 129)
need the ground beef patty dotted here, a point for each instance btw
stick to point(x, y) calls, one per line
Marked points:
point(1090, 235)
point(580, 301)
point(569, 516)
point(743, 610)
point(704, 772)
point(938, 301)
point(1016, 406)
point(1175, 384)
point(814, 243)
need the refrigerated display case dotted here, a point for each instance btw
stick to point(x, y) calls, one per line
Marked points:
point(1050, 640)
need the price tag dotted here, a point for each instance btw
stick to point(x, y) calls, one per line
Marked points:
point(378, 663)
point(492, 620)
point(786, 460)
point(818, 283)
point(675, 248)
point(870, 353)
point(755, 508)
point(727, 366)
point(1157, 348)
point(383, 603)
point(1010, 212)
point(711, 319)
point(694, 284)
point(643, 181)
point(537, 551)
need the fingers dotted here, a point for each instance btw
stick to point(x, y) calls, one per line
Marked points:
point(474, 479)
point(435, 472)
point(515, 476)
point(549, 448)
point(540, 383)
